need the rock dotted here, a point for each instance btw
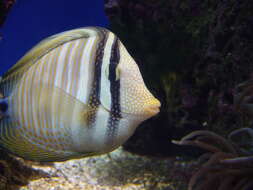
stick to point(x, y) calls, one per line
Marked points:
point(14, 172)
point(118, 170)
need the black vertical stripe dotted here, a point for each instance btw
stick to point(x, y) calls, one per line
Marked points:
point(94, 97)
point(114, 84)
point(115, 113)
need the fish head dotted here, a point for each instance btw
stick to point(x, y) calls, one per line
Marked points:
point(135, 98)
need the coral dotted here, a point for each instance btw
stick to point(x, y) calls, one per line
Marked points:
point(226, 165)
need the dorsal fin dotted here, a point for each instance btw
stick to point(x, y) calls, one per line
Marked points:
point(10, 78)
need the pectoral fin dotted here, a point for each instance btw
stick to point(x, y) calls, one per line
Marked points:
point(65, 108)
point(52, 141)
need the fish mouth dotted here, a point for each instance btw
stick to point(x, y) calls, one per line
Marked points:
point(149, 110)
point(153, 109)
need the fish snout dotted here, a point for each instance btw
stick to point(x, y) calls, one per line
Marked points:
point(153, 108)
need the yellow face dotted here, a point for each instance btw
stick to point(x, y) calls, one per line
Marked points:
point(135, 98)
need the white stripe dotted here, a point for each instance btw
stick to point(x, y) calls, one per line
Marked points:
point(60, 65)
point(34, 102)
point(42, 79)
point(99, 128)
point(71, 65)
point(25, 97)
point(28, 98)
point(20, 102)
point(105, 83)
point(92, 139)
point(52, 63)
point(46, 80)
point(76, 67)
point(82, 89)
point(48, 65)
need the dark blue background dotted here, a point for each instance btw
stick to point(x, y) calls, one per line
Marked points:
point(32, 20)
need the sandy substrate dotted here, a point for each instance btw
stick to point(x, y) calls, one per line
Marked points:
point(118, 170)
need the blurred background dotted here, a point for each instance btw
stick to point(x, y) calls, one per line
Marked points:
point(30, 21)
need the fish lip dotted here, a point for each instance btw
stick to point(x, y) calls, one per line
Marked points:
point(152, 110)
point(149, 112)
point(156, 110)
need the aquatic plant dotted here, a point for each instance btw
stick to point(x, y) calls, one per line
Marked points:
point(228, 164)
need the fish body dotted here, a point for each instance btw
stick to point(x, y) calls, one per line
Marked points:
point(75, 94)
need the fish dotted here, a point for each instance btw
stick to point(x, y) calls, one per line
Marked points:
point(75, 94)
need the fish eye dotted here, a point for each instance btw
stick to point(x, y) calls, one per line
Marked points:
point(117, 72)
point(112, 72)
